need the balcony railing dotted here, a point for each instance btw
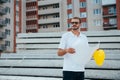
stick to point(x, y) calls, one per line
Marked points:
point(49, 20)
point(31, 17)
point(49, 11)
point(31, 27)
point(109, 14)
point(109, 26)
point(32, 8)
point(48, 2)
point(31, 1)
point(107, 3)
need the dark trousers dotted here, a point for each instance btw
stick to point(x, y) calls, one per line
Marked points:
point(70, 75)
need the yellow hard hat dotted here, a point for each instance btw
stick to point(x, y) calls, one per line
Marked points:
point(99, 56)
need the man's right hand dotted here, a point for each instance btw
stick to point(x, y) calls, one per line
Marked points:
point(62, 52)
point(70, 50)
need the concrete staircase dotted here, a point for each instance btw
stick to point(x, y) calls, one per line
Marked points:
point(44, 64)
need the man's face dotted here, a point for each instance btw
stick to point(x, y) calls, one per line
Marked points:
point(75, 24)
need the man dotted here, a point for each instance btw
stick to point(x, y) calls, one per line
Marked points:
point(71, 69)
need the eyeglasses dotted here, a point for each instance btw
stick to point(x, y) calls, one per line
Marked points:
point(74, 22)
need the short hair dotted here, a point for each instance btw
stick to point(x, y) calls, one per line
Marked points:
point(76, 18)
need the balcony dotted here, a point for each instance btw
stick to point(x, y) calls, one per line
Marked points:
point(109, 26)
point(49, 20)
point(2, 47)
point(30, 1)
point(2, 11)
point(3, 1)
point(35, 9)
point(2, 35)
point(47, 2)
point(34, 17)
point(108, 3)
point(2, 23)
point(31, 27)
point(109, 14)
point(49, 11)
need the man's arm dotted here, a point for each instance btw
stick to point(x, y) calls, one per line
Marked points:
point(62, 52)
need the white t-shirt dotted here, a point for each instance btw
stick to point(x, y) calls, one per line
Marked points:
point(67, 41)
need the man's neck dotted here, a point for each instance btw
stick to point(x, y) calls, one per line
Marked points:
point(76, 32)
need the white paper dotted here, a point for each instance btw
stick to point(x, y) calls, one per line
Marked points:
point(83, 53)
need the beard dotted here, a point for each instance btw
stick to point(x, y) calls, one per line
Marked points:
point(75, 28)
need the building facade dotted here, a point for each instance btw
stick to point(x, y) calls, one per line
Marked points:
point(55, 15)
point(2, 24)
point(95, 13)
point(46, 15)
point(7, 26)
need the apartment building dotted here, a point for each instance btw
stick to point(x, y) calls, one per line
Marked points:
point(10, 24)
point(2, 24)
point(110, 15)
point(7, 27)
point(93, 14)
point(46, 15)
point(51, 15)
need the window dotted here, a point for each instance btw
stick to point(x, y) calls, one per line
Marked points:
point(44, 7)
point(56, 25)
point(98, 22)
point(45, 26)
point(7, 43)
point(17, 23)
point(83, 25)
point(7, 10)
point(112, 21)
point(68, 25)
point(17, 13)
point(7, 21)
point(7, 32)
point(83, 15)
point(97, 11)
point(56, 15)
point(17, 3)
point(70, 16)
point(82, 4)
point(97, 1)
point(44, 17)
point(56, 6)
point(112, 10)
point(69, 6)
point(9, 1)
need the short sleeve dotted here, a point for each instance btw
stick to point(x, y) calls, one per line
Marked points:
point(86, 39)
point(62, 44)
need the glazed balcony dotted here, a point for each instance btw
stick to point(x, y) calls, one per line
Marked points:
point(3, 1)
point(2, 35)
point(2, 23)
point(2, 11)
point(2, 47)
